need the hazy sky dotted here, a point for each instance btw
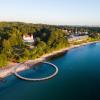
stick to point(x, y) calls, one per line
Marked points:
point(74, 12)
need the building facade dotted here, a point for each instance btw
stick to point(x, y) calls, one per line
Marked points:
point(28, 38)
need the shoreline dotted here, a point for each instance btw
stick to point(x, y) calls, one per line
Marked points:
point(8, 71)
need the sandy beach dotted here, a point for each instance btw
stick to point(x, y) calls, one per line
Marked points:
point(8, 71)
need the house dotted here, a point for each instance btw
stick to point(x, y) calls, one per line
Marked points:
point(66, 31)
point(28, 38)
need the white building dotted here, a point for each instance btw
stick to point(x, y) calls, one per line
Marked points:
point(28, 38)
point(77, 38)
point(65, 31)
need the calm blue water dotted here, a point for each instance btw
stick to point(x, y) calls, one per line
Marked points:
point(78, 78)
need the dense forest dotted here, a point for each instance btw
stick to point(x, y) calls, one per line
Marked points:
point(47, 39)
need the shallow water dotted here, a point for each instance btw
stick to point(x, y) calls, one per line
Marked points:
point(78, 78)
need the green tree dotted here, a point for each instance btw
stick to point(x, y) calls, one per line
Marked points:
point(7, 49)
point(19, 39)
point(13, 40)
point(3, 60)
point(57, 37)
point(26, 53)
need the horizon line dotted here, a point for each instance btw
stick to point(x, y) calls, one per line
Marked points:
point(28, 22)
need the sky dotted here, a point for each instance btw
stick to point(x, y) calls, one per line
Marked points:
point(57, 12)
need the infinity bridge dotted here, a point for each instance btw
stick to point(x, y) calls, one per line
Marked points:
point(38, 79)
